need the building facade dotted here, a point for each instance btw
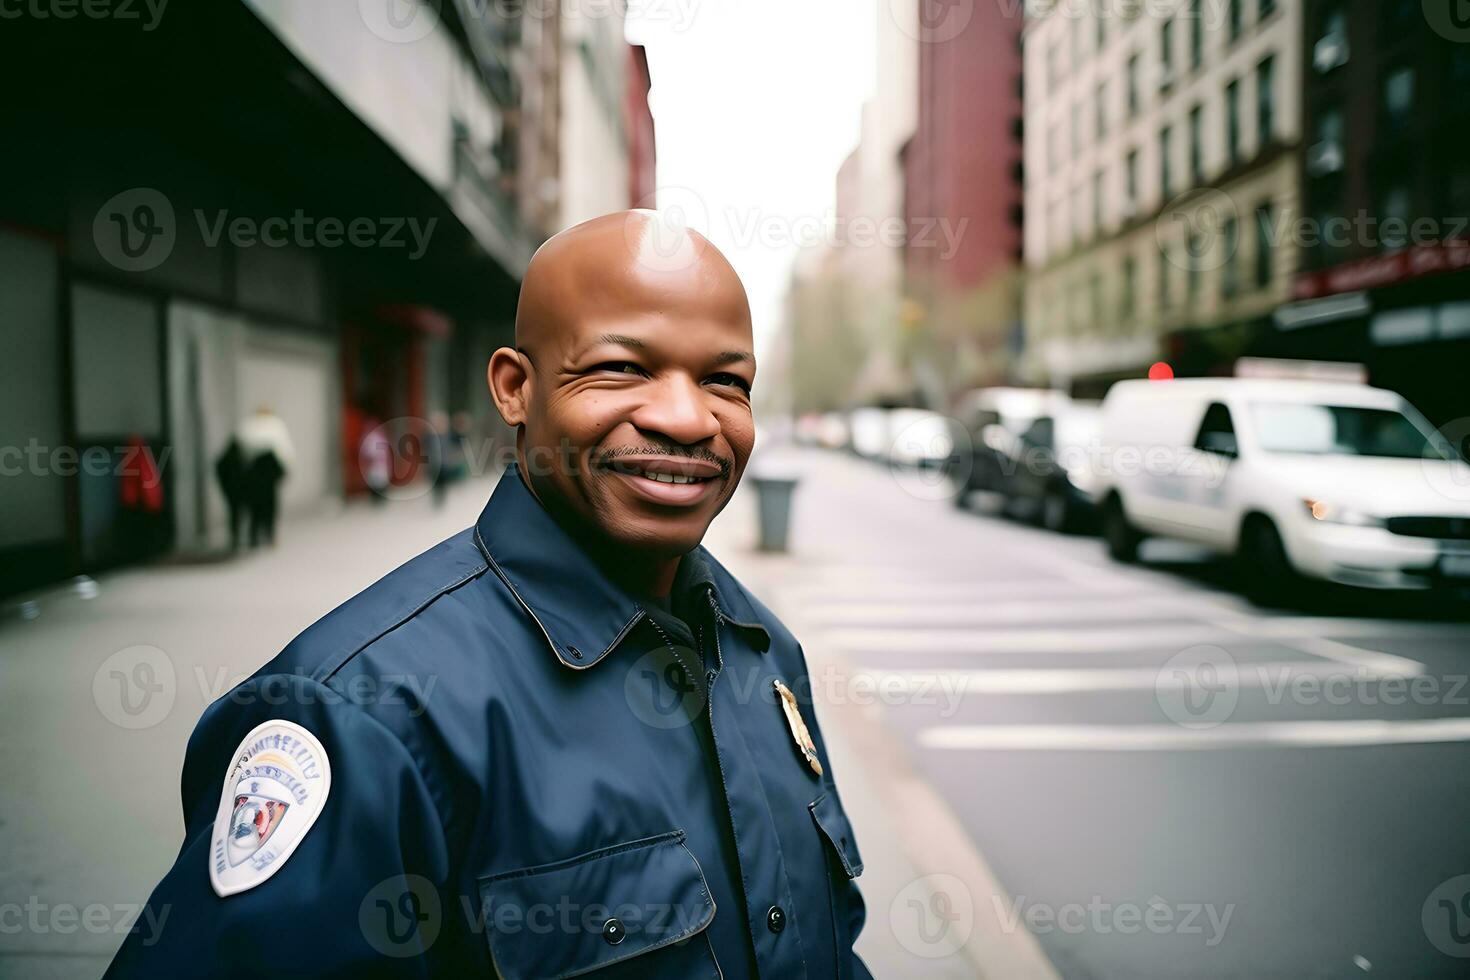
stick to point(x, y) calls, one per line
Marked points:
point(1385, 279)
point(1162, 163)
point(962, 173)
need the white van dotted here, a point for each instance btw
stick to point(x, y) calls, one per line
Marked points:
point(1332, 481)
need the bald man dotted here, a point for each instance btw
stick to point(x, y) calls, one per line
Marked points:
point(564, 742)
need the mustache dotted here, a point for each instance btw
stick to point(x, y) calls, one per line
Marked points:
point(673, 450)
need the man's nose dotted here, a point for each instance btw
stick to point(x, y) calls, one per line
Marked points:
point(678, 408)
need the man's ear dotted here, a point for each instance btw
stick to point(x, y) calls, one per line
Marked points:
point(509, 377)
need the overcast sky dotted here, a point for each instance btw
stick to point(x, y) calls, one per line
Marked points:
point(755, 103)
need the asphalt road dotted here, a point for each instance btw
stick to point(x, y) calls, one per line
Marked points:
point(1167, 780)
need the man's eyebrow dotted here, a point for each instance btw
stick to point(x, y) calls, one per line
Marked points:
point(621, 340)
point(733, 357)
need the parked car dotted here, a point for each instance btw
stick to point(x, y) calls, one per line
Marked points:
point(1053, 482)
point(993, 420)
point(868, 432)
point(1341, 482)
point(919, 437)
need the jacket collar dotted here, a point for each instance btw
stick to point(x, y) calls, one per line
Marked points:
point(583, 614)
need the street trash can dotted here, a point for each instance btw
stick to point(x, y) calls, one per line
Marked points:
point(773, 496)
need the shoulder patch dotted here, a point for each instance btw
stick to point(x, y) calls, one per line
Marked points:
point(274, 791)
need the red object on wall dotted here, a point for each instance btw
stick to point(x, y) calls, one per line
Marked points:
point(139, 484)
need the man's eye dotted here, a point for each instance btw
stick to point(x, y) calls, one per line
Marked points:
point(725, 378)
point(618, 367)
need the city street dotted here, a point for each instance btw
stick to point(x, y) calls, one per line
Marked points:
point(1167, 781)
point(1010, 715)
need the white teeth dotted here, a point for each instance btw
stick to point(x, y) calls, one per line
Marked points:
point(670, 477)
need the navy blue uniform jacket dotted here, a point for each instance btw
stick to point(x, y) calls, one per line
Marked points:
point(529, 777)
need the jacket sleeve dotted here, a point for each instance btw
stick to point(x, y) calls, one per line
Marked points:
point(356, 897)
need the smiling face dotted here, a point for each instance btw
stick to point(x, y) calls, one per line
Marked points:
point(630, 384)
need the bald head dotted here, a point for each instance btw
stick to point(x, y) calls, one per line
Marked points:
point(625, 263)
point(629, 385)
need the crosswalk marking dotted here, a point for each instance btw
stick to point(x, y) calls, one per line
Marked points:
point(980, 641)
point(1152, 738)
point(987, 614)
point(1100, 679)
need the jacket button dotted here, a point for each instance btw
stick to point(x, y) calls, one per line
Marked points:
point(776, 918)
point(613, 931)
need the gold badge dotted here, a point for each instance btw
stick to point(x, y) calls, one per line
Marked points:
point(799, 733)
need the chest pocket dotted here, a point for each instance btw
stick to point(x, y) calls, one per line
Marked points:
point(844, 864)
point(632, 909)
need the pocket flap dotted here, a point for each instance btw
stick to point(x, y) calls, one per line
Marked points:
point(827, 812)
point(568, 917)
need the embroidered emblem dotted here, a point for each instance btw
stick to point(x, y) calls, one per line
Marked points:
point(273, 793)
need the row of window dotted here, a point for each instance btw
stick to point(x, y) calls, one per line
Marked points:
point(1192, 260)
point(1195, 14)
point(1168, 184)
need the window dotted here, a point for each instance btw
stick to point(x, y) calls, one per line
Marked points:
point(1166, 53)
point(1097, 203)
point(1196, 145)
point(1095, 298)
point(1129, 285)
point(1325, 154)
point(1053, 67)
point(1166, 169)
point(1331, 49)
point(1230, 271)
point(1266, 101)
point(1079, 41)
point(1102, 28)
point(1196, 36)
point(1265, 256)
point(1232, 122)
point(1394, 231)
point(1102, 110)
point(1076, 128)
point(1130, 190)
point(1268, 7)
point(1398, 99)
point(1217, 432)
point(1196, 261)
point(1316, 430)
point(1054, 148)
point(1165, 284)
point(1133, 101)
point(1237, 19)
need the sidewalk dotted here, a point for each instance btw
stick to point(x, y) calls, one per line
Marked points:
point(90, 815)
